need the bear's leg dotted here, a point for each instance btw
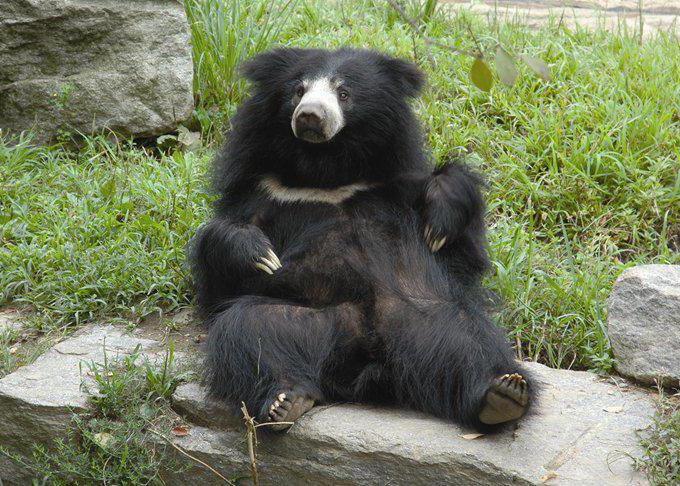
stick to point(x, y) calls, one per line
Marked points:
point(273, 355)
point(449, 359)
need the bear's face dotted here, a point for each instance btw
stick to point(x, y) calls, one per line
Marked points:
point(320, 104)
point(327, 96)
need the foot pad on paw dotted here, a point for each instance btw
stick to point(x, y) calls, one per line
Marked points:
point(288, 407)
point(505, 400)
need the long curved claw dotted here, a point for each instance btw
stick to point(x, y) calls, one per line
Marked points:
point(274, 258)
point(264, 268)
point(268, 264)
point(438, 244)
point(428, 233)
point(432, 240)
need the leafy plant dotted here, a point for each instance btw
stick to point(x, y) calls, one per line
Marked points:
point(661, 459)
point(115, 383)
point(161, 381)
point(118, 442)
point(480, 73)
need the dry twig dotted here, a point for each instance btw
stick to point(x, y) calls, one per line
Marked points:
point(182, 451)
point(251, 439)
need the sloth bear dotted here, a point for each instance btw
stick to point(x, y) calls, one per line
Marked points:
point(338, 266)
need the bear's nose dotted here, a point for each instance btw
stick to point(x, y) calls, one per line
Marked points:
point(310, 117)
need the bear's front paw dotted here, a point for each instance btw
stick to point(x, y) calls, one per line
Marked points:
point(451, 204)
point(268, 263)
point(434, 238)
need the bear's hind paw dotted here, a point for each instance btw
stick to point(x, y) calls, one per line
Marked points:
point(506, 400)
point(287, 408)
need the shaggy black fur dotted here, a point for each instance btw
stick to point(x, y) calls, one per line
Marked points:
point(361, 309)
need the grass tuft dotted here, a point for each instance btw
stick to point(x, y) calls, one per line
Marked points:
point(223, 35)
point(118, 442)
point(661, 459)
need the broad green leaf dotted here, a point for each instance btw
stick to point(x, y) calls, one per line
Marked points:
point(505, 67)
point(190, 140)
point(541, 69)
point(480, 75)
point(166, 141)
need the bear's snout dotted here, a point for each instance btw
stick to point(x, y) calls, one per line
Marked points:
point(318, 116)
point(309, 123)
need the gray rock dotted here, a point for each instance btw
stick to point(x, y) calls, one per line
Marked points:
point(37, 401)
point(584, 431)
point(184, 318)
point(90, 65)
point(190, 401)
point(644, 323)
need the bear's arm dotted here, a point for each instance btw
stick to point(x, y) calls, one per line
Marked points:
point(451, 204)
point(232, 246)
point(449, 201)
point(451, 208)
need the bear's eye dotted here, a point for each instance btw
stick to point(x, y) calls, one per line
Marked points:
point(300, 91)
point(343, 95)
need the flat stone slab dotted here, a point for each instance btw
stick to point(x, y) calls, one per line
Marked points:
point(644, 323)
point(584, 431)
point(38, 401)
point(190, 401)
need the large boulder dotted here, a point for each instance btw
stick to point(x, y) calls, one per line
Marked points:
point(644, 323)
point(94, 65)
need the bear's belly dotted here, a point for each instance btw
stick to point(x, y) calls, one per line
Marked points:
point(322, 249)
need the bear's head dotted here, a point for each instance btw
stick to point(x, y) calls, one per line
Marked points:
point(333, 116)
point(329, 94)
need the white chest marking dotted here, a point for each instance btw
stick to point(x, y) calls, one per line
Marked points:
point(281, 193)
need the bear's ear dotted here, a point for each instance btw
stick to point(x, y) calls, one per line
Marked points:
point(268, 66)
point(406, 74)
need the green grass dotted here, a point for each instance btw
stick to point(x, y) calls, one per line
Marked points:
point(223, 35)
point(123, 439)
point(582, 171)
point(661, 459)
point(99, 232)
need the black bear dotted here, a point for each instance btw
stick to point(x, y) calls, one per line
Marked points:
point(338, 266)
